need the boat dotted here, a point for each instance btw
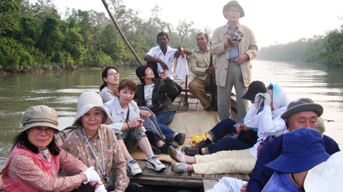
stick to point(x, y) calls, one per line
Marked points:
point(191, 119)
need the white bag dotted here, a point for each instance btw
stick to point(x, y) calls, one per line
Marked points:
point(182, 68)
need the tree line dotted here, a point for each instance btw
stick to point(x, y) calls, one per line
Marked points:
point(36, 36)
point(326, 49)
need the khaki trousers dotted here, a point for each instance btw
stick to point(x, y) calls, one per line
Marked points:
point(237, 161)
point(234, 78)
point(197, 88)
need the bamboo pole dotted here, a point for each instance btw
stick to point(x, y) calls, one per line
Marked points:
point(121, 32)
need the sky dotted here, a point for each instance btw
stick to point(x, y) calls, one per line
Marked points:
point(272, 21)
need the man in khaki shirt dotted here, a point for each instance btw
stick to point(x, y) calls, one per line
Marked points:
point(235, 46)
point(199, 62)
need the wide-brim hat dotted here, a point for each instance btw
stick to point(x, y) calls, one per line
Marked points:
point(326, 176)
point(254, 88)
point(86, 102)
point(302, 149)
point(233, 3)
point(300, 105)
point(40, 115)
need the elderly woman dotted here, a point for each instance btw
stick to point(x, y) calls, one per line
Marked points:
point(95, 144)
point(153, 93)
point(35, 159)
point(269, 124)
point(129, 128)
point(159, 142)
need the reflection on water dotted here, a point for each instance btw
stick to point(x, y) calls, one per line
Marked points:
point(60, 91)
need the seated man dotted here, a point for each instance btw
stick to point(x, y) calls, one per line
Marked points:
point(300, 113)
point(199, 64)
point(165, 56)
point(302, 149)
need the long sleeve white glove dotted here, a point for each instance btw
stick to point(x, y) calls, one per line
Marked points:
point(91, 174)
point(259, 97)
point(267, 99)
point(101, 189)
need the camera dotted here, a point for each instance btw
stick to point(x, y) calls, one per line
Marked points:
point(261, 96)
point(237, 37)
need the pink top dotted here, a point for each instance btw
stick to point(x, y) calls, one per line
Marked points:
point(27, 171)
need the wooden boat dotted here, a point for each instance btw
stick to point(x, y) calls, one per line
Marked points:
point(190, 119)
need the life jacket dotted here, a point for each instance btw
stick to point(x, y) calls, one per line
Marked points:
point(15, 184)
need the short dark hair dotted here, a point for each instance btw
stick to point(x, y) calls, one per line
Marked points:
point(162, 34)
point(131, 85)
point(104, 74)
point(202, 33)
point(22, 142)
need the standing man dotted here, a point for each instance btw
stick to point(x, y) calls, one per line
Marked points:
point(199, 62)
point(165, 56)
point(234, 45)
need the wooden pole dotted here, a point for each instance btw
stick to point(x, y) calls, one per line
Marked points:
point(121, 32)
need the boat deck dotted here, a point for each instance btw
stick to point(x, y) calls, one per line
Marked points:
point(190, 119)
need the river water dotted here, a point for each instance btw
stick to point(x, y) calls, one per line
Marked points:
point(60, 90)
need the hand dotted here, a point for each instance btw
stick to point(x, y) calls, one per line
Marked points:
point(101, 188)
point(145, 113)
point(234, 41)
point(244, 187)
point(163, 65)
point(164, 74)
point(267, 99)
point(211, 70)
point(245, 128)
point(136, 122)
point(180, 49)
point(258, 100)
point(239, 127)
point(91, 174)
point(241, 59)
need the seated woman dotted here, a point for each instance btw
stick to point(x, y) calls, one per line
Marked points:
point(269, 124)
point(35, 159)
point(95, 144)
point(128, 127)
point(241, 136)
point(110, 78)
point(152, 93)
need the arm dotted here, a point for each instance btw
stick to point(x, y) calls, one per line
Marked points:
point(119, 167)
point(28, 172)
point(170, 87)
point(253, 48)
point(115, 125)
point(150, 58)
point(252, 119)
point(261, 174)
point(272, 126)
point(218, 46)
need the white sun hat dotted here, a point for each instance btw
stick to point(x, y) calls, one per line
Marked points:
point(86, 102)
point(327, 176)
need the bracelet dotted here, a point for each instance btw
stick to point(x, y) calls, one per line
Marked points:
point(128, 125)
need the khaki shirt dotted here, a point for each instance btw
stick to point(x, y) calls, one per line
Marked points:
point(198, 63)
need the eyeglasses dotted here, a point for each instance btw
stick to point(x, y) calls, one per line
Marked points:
point(114, 74)
point(39, 130)
point(234, 10)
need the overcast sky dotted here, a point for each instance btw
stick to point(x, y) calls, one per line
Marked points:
point(271, 20)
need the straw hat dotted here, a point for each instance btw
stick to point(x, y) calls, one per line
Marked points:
point(326, 176)
point(40, 115)
point(86, 102)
